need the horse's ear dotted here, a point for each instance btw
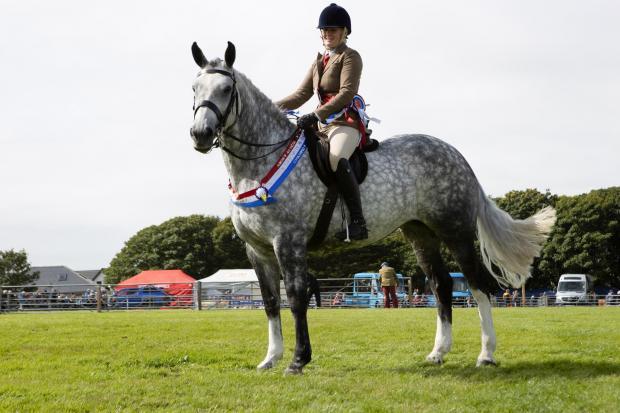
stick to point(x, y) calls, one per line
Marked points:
point(199, 57)
point(230, 55)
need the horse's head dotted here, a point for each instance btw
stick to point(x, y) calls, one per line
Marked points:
point(215, 95)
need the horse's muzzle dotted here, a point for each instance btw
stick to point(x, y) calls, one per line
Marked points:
point(203, 139)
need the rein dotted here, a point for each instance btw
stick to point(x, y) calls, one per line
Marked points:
point(222, 130)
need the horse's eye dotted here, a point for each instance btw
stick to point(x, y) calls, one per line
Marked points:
point(227, 89)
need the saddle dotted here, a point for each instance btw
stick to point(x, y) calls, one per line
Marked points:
point(318, 150)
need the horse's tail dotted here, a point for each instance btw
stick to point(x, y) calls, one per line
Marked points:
point(510, 245)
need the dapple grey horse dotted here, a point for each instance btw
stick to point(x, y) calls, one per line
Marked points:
point(432, 195)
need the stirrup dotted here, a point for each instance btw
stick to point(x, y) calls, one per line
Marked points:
point(355, 231)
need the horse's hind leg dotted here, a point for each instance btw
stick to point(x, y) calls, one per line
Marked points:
point(426, 246)
point(482, 285)
point(268, 273)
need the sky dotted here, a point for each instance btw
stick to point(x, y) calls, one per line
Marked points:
point(96, 98)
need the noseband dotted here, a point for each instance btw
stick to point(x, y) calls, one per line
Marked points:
point(223, 118)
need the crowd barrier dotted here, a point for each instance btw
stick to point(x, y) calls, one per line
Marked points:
point(334, 293)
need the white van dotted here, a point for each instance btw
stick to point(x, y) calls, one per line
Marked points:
point(573, 289)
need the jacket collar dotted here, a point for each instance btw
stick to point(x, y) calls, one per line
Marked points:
point(333, 55)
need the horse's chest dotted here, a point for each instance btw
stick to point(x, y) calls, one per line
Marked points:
point(252, 228)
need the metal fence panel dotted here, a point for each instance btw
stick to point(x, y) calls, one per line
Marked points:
point(335, 293)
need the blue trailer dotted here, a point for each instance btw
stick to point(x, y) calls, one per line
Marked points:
point(367, 291)
point(460, 291)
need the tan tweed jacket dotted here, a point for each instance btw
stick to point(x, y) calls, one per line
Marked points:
point(341, 78)
point(388, 277)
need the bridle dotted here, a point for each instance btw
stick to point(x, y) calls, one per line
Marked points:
point(222, 129)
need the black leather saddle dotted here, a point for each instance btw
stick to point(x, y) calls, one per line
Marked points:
point(318, 150)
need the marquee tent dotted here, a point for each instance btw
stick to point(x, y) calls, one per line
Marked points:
point(174, 282)
point(231, 282)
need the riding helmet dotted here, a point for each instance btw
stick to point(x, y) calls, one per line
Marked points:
point(334, 16)
point(385, 264)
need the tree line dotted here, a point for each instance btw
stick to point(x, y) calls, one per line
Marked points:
point(585, 239)
point(199, 245)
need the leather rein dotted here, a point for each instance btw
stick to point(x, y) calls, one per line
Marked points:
point(223, 130)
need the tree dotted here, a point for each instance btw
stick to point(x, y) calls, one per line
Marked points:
point(586, 237)
point(180, 243)
point(15, 269)
point(229, 248)
point(523, 204)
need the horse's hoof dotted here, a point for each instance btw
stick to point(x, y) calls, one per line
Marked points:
point(435, 359)
point(268, 363)
point(293, 371)
point(486, 362)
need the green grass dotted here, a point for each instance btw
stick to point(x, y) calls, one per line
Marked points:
point(551, 359)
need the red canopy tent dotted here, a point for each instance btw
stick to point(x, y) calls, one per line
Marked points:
point(173, 282)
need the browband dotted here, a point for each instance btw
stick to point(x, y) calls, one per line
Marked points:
point(221, 72)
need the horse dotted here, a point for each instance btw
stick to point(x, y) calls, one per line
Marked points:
point(416, 183)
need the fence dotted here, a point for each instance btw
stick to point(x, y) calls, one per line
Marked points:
point(334, 293)
point(96, 297)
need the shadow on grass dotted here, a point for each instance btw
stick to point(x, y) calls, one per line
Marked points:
point(570, 369)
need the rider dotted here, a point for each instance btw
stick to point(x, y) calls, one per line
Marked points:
point(335, 75)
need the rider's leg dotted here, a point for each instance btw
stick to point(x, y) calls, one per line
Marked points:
point(349, 189)
point(342, 142)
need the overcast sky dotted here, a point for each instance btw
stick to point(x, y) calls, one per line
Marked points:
point(95, 101)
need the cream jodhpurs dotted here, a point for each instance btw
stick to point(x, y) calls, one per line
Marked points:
point(342, 143)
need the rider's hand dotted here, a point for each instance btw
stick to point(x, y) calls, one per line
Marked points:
point(307, 120)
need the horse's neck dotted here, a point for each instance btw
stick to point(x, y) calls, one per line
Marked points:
point(260, 122)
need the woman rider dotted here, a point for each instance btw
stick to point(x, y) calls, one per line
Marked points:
point(335, 76)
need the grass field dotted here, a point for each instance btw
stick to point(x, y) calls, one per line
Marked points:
point(551, 359)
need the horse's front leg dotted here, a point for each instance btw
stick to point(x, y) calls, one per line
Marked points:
point(292, 258)
point(268, 273)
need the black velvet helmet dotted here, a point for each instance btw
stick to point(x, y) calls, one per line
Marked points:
point(334, 16)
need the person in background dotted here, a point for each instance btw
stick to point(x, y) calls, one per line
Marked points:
point(609, 297)
point(415, 298)
point(21, 298)
point(338, 299)
point(506, 297)
point(389, 282)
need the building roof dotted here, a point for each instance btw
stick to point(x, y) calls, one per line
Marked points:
point(93, 275)
point(61, 278)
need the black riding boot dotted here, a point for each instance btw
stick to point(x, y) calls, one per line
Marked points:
point(349, 189)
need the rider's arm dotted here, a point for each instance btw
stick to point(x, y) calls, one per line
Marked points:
point(300, 96)
point(349, 83)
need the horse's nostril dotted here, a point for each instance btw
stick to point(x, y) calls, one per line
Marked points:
point(202, 137)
